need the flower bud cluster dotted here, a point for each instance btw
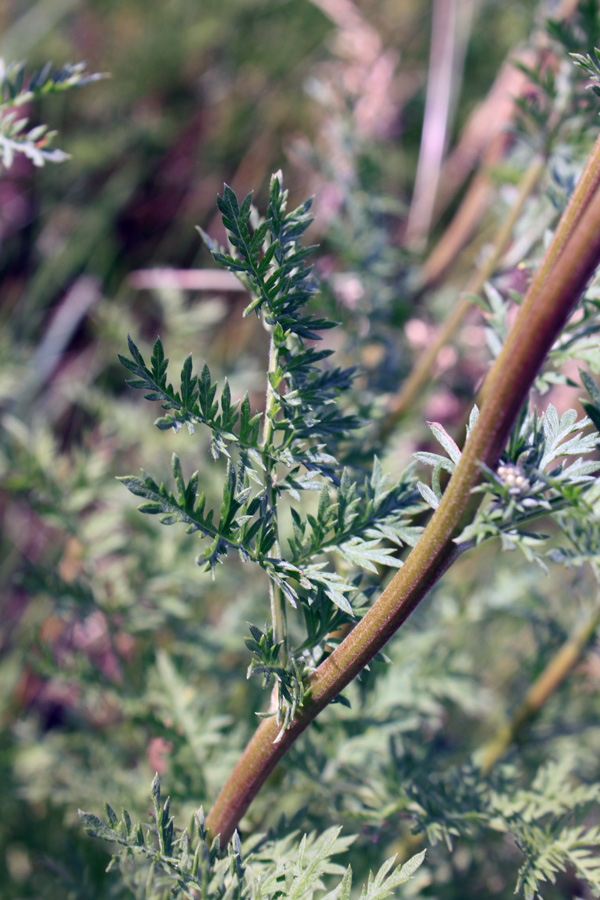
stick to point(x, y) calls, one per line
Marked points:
point(513, 477)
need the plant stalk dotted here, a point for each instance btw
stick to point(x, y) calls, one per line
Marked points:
point(537, 326)
point(277, 601)
point(554, 675)
point(585, 189)
point(423, 370)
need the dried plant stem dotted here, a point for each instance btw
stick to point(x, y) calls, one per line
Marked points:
point(483, 144)
point(423, 371)
point(585, 188)
point(535, 330)
point(553, 676)
point(446, 44)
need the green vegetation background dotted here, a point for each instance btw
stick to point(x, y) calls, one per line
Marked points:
point(118, 656)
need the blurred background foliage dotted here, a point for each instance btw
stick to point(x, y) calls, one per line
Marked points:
point(120, 658)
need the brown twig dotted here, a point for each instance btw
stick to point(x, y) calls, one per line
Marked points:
point(424, 368)
point(485, 140)
point(213, 280)
point(551, 679)
point(535, 330)
point(446, 58)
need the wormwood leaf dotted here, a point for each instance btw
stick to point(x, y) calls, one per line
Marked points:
point(593, 408)
point(195, 403)
point(229, 414)
point(365, 553)
point(309, 868)
point(384, 883)
point(15, 135)
point(184, 863)
point(556, 431)
point(435, 460)
point(590, 64)
point(360, 518)
point(249, 424)
point(536, 477)
point(206, 395)
point(343, 890)
point(550, 850)
point(446, 441)
point(428, 495)
point(189, 510)
point(96, 828)
point(188, 383)
point(432, 495)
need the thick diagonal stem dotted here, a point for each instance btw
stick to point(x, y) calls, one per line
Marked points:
point(539, 323)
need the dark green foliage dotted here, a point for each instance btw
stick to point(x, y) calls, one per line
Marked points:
point(544, 115)
point(271, 870)
point(361, 519)
point(591, 66)
point(123, 645)
point(582, 32)
point(187, 857)
point(304, 430)
point(593, 408)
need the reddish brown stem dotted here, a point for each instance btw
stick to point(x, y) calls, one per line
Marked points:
point(537, 327)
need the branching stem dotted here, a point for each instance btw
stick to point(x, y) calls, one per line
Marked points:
point(564, 274)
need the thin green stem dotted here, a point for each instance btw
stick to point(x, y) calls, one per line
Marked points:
point(277, 600)
point(538, 325)
point(271, 403)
